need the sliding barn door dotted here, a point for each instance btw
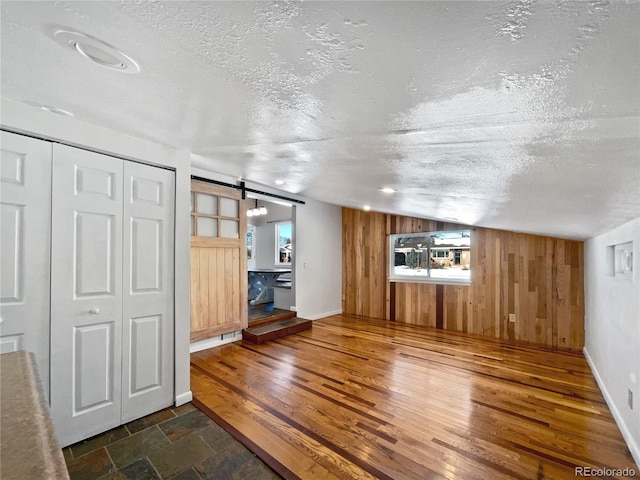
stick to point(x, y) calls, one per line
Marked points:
point(25, 210)
point(218, 261)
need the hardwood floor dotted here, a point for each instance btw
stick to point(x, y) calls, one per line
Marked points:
point(358, 398)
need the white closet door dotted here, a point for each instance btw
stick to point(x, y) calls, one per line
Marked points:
point(25, 210)
point(86, 277)
point(147, 373)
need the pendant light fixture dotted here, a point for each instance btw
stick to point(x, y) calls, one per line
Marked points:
point(256, 211)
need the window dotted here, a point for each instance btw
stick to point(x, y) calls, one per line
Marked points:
point(250, 251)
point(212, 213)
point(284, 246)
point(438, 257)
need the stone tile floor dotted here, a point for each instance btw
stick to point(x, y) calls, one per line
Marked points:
point(176, 443)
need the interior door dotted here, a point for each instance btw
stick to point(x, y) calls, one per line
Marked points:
point(147, 374)
point(25, 211)
point(86, 312)
point(218, 261)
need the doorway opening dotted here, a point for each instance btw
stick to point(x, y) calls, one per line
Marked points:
point(270, 260)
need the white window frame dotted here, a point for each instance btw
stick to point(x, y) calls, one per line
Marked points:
point(426, 276)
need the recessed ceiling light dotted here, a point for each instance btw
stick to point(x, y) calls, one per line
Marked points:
point(387, 190)
point(279, 182)
point(96, 50)
point(366, 208)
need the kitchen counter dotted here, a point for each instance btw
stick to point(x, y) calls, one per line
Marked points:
point(29, 448)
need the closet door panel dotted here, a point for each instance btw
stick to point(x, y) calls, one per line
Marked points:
point(148, 290)
point(86, 311)
point(93, 375)
point(25, 223)
point(145, 347)
point(94, 254)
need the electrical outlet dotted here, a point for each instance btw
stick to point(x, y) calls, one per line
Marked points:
point(512, 318)
point(630, 399)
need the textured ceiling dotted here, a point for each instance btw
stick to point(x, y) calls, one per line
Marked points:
point(520, 115)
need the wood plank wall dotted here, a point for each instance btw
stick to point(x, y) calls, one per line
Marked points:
point(540, 279)
point(216, 290)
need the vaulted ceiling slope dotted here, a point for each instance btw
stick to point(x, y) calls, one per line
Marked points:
point(521, 115)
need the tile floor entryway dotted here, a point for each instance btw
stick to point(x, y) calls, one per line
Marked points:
point(176, 443)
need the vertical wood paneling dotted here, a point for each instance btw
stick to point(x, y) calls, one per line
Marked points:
point(539, 279)
point(364, 281)
point(194, 284)
point(217, 278)
point(219, 293)
point(235, 273)
point(494, 277)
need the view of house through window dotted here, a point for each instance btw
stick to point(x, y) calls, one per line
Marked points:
point(431, 256)
point(283, 243)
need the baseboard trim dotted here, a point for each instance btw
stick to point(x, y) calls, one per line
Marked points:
point(183, 398)
point(634, 448)
point(322, 315)
point(216, 341)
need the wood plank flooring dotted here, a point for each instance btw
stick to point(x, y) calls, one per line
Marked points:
point(357, 398)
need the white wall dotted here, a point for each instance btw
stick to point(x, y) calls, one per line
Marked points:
point(318, 259)
point(25, 119)
point(612, 324)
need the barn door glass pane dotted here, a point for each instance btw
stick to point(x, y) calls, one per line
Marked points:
point(207, 227)
point(207, 204)
point(229, 229)
point(229, 207)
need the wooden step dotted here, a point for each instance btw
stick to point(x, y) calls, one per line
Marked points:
point(277, 329)
point(283, 315)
